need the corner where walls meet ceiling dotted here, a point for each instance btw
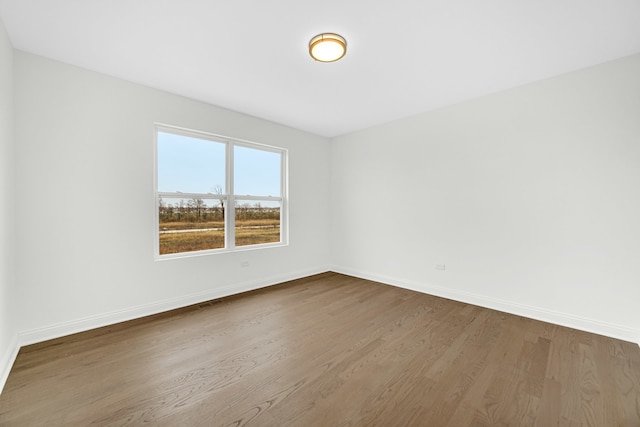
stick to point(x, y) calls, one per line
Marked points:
point(404, 57)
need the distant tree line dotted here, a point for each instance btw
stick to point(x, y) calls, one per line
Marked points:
point(196, 210)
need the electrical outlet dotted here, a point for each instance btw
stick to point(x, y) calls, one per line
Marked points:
point(440, 267)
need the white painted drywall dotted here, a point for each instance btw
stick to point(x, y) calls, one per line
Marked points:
point(85, 156)
point(8, 328)
point(530, 197)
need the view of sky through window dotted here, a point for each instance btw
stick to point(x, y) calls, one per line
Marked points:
point(249, 163)
point(192, 165)
point(189, 165)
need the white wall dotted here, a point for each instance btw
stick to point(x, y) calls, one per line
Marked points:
point(530, 197)
point(7, 243)
point(85, 191)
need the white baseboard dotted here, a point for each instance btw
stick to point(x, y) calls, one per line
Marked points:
point(80, 325)
point(6, 361)
point(588, 325)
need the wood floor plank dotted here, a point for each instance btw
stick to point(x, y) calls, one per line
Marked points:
point(327, 350)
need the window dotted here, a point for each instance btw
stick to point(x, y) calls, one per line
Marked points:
point(217, 194)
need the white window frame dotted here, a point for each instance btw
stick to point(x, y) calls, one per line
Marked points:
point(229, 197)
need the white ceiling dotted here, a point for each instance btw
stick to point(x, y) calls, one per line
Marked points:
point(404, 56)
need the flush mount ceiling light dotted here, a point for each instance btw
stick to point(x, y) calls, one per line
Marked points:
point(327, 47)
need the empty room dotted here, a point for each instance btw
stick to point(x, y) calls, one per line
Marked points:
point(408, 213)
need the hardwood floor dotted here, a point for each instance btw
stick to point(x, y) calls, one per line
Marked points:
point(328, 350)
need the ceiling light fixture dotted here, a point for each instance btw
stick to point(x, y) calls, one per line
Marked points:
point(327, 47)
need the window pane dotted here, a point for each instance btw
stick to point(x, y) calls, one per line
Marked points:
point(187, 225)
point(190, 165)
point(194, 186)
point(257, 222)
point(256, 172)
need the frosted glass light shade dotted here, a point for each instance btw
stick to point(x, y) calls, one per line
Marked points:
point(327, 47)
